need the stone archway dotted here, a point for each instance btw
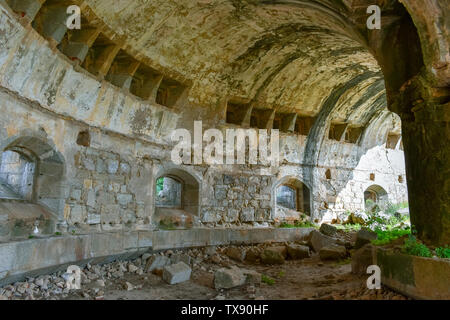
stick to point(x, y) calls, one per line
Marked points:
point(292, 199)
point(180, 206)
point(34, 172)
point(50, 168)
point(375, 196)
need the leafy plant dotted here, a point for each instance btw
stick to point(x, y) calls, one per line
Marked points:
point(349, 227)
point(281, 274)
point(298, 224)
point(268, 280)
point(159, 184)
point(387, 236)
point(443, 252)
point(415, 248)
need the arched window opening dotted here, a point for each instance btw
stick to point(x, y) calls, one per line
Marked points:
point(168, 192)
point(176, 200)
point(17, 174)
point(287, 197)
point(292, 200)
point(375, 197)
point(31, 188)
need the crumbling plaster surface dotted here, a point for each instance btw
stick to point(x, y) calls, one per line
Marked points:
point(109, 185)
point(246, 49)
point(38, 73)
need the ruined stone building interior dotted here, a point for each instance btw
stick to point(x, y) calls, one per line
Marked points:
point(90, 194)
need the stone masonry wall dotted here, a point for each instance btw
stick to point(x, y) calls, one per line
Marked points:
point(239, 199)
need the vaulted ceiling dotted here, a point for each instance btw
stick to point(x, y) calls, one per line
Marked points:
point(288, 55)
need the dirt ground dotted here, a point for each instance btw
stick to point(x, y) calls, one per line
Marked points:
point(308, 279)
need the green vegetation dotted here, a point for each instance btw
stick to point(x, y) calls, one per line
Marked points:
point(268, 280)
point(58, 233)
point(281, 274)
point(349, 227)
point(159, 184)
point(298, 224)
point(443, 252)
point(415, 248)
point(386, 219)
point(30, 237)
point(387, 236)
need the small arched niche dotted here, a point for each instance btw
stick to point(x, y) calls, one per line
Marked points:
point(292, 198)
point(17, 174)
point(31, 176)
point(176, 199)
point(375, 197)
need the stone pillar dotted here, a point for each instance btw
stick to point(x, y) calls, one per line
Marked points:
point(266, 120)
point(52, 22)
point(245, 115)
point(150, 86)
point(426, 140)
point(122, 71)
point(288, 122)
point(106, 57)
point(79, 43)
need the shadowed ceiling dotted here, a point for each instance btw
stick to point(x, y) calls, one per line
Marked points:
point(286, 55)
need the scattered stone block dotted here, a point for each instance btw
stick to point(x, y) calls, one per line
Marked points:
point(210, 250)
point(228, 278)
point(361, 259)
point(234, 253)
point(363, 237)
point(274, 255)
point(328, 229)
point(252, 277)
point(156, 262)
point(181, 257)
point(129, 286)
point(297, 251)
point(176, 273)
point(333, 252)
point(252, 255)
point(318, 240)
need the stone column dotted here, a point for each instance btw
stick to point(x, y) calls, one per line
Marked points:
point(426, 140)
point(266, 120)
point(79, 43)
point(245, 115)
point(288, 122)
point(106, 57)
point(122, 71)
point(52, 22)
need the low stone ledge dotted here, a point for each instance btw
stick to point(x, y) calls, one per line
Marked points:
point(32, 257)
point(416, 277)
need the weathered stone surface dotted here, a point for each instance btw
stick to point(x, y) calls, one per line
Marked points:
point(328, 229)
point(252, 277)
point(364, 236)
point(318, 240)
point(176, 273)
point(333, 252)
point(181, 257)
point(156, 262)
point(228, 278)
point(361, 259)
point(130, 130)
point(252, 255)
point(296, 251)
point(237, 254)
point(274, 255)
